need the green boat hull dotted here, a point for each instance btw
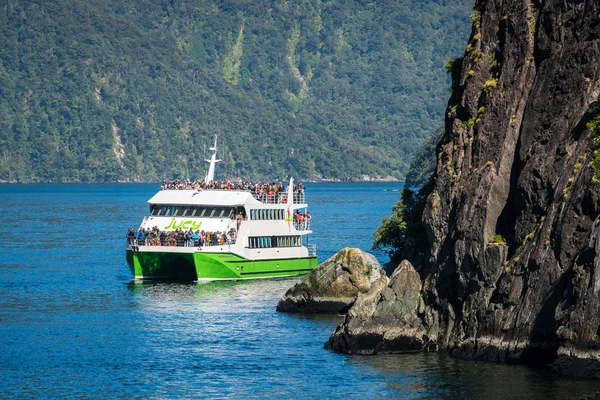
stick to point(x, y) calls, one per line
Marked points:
point(212, 266)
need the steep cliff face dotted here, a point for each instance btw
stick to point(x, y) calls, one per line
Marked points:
point(517, 161)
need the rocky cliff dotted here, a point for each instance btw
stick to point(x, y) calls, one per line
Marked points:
point(513, 219)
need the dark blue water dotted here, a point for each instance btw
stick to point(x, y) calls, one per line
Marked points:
point(73, 324)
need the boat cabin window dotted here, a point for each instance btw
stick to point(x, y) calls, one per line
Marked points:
point(259, 242)
point(159, 210)
point(267, 214)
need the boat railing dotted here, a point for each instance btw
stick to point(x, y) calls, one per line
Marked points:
point(264, 197)
point(312, 250)
point(279, 198)
point(174, 242)
point(302, 225)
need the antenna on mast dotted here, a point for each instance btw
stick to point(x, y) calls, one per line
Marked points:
point(210, 175)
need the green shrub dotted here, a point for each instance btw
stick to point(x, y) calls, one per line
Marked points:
point(498, 239)
point(403, 235)
point(476, 18)
point(490, 85)
point(594, 127)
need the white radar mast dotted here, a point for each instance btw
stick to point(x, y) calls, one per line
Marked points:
point(210, 175)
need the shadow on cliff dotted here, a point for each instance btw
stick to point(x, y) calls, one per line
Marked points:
point(544, 342)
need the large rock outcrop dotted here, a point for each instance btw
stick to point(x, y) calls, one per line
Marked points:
point(519, 160)
point(386, 319)
point(332, 287)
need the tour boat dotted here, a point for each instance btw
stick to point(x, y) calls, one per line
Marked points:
point(222, 232)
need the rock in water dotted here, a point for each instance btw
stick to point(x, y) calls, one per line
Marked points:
point(386, 319)
point(332, 287)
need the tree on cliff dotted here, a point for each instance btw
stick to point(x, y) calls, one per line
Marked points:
point(403, 235)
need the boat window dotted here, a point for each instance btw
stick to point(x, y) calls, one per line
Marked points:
point(259, 242)
point(161, 210)
point(267, 214)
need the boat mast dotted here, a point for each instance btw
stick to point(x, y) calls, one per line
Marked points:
point(210, 175)
point(290, 193)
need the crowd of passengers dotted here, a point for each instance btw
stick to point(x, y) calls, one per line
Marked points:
point(179, 237)
point(301, 219)
point(260, 191)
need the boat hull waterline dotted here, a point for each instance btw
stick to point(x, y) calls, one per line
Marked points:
point(164, 265)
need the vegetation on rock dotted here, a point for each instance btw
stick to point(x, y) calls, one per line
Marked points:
point(403, 235)
point(498, 239)
point(594, 128)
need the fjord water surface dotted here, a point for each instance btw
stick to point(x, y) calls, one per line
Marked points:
point(73, 324)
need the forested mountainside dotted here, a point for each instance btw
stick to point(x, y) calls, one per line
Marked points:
point(107, 90)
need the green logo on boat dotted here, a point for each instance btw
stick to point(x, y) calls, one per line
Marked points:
point(187, 224)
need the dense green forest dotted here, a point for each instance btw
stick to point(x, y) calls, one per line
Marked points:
point(122, 90)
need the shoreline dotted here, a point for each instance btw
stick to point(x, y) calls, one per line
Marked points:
point(75, 182)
